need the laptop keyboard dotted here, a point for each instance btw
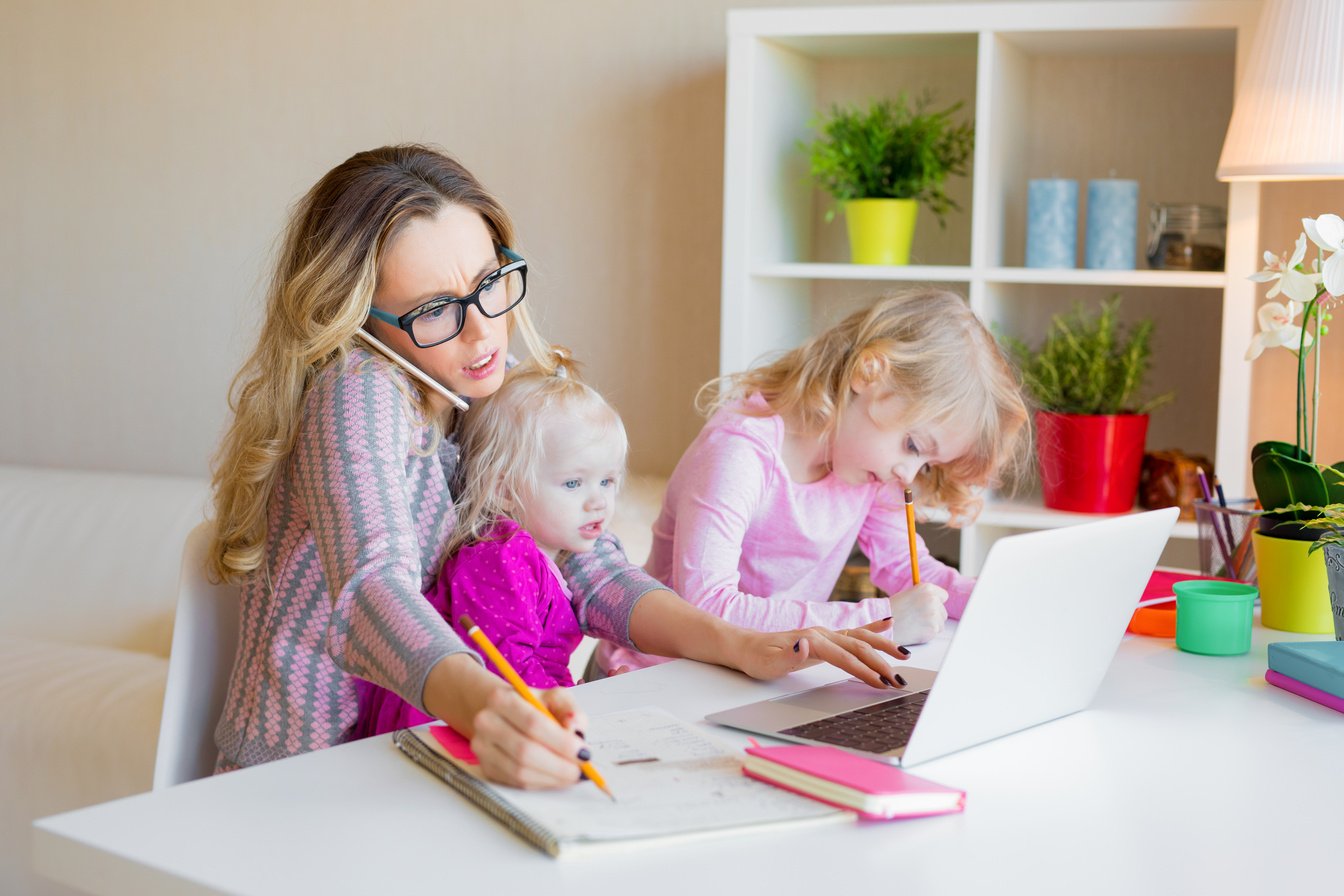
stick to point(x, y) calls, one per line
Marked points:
point(876, 728)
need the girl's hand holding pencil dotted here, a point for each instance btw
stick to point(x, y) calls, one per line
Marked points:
point(918, 614)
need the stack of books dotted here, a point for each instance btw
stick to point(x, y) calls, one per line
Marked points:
point(1311, 669)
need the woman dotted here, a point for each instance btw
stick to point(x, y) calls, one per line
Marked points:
point(332, 501)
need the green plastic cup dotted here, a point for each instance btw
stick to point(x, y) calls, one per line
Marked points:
point(1214, 618)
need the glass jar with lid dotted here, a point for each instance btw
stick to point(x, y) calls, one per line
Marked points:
point(1186, 237)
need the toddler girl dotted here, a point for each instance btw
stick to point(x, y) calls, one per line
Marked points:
point(546, 454)
point(808, 454)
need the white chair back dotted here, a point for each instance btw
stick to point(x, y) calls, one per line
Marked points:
point(205, 637)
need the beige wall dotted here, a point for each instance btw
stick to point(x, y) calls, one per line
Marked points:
point(151, 148)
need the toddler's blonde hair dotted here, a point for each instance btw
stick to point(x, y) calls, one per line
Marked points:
point(503, 438)
point(929, 348)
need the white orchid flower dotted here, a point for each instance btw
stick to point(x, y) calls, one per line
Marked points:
point(1292, 282)
point(1327, 231)
point(1276, 328)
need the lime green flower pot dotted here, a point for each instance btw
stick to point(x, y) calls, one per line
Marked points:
point(1294, 594)
point(880, 230)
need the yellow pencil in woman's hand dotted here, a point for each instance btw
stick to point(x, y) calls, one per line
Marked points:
point(512, 677)
point(910, 530)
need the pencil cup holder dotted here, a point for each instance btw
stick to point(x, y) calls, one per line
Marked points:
point(1225, 539)
point(1214, 618)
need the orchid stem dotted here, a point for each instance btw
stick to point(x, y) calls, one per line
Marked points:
point(1306, 433)
point(1316, 373)
point(1301, 436)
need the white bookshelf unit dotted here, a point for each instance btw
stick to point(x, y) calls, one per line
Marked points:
point(1139, 90)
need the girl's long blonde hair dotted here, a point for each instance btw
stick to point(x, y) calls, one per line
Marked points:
point(929, 348)
point(503, 438)
point(320, 294)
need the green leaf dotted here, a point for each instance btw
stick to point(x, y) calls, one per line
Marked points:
point(1283, 449)
point(1088, 363)
point(1282, 481)
point(890, 150)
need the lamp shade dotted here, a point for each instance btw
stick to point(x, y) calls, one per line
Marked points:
point(1288, 120)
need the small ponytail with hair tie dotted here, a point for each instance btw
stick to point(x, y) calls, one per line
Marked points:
point(562, 363)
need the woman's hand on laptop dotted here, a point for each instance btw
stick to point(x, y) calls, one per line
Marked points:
point(918, 614)
point(864, 652)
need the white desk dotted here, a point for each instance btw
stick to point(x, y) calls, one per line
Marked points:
point(1188, 775)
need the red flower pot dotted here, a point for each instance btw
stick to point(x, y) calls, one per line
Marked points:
point(1090, 463)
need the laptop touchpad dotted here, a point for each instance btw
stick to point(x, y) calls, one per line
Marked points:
point(839, 697)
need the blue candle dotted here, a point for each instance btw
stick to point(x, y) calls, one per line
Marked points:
point(1112, 216)
point(1052, 223)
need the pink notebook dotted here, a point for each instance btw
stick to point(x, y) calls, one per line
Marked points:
point(1279, 680)
point(873, 789)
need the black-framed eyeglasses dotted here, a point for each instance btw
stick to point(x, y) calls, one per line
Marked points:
point(442, 318)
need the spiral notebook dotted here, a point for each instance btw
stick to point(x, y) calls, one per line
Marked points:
point(672, 783)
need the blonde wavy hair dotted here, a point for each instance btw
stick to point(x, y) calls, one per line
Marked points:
point(929, 348)
point(320, 294)
point(503, 438)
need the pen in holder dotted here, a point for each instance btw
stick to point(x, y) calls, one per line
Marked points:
point(1225, 538)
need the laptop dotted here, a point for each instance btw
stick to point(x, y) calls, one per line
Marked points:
point(1037, 637)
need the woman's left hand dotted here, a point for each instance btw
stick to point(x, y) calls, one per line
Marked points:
point(862, 652)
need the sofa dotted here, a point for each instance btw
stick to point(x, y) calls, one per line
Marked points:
point(89, 565)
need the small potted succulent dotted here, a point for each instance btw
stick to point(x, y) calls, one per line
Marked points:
point(880, 162)
point(1091, 424)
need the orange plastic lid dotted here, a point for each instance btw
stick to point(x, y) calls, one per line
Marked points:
point(1157, 621)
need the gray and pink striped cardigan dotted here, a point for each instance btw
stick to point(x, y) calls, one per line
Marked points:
point(357, 527)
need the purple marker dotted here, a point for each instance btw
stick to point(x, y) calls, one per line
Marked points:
point(1217, 530)
point(1227, 521)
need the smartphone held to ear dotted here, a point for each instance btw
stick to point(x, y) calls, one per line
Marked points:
point(410, 368)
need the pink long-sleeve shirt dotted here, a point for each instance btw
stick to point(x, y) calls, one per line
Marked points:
point(738, 537)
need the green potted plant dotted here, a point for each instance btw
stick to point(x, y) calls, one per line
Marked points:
point(880, 162)
point(1294, 489)
point(1090, 423)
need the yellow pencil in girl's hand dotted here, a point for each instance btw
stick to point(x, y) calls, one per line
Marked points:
point(910, 530)
point(512, 677)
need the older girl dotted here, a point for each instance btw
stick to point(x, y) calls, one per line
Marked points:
point(805, 456)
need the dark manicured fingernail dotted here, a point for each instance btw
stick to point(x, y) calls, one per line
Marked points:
point(585, 754)
point(902, 651)
point(795, 645)
point(886, 681)
point(885, 619)
point(583, 775)
point(899, 680)
point(580, 734)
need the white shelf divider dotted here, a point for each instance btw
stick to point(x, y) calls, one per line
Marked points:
point(1027, 515)
point(1089, 277)
point(820, 271)
point(960, 274)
